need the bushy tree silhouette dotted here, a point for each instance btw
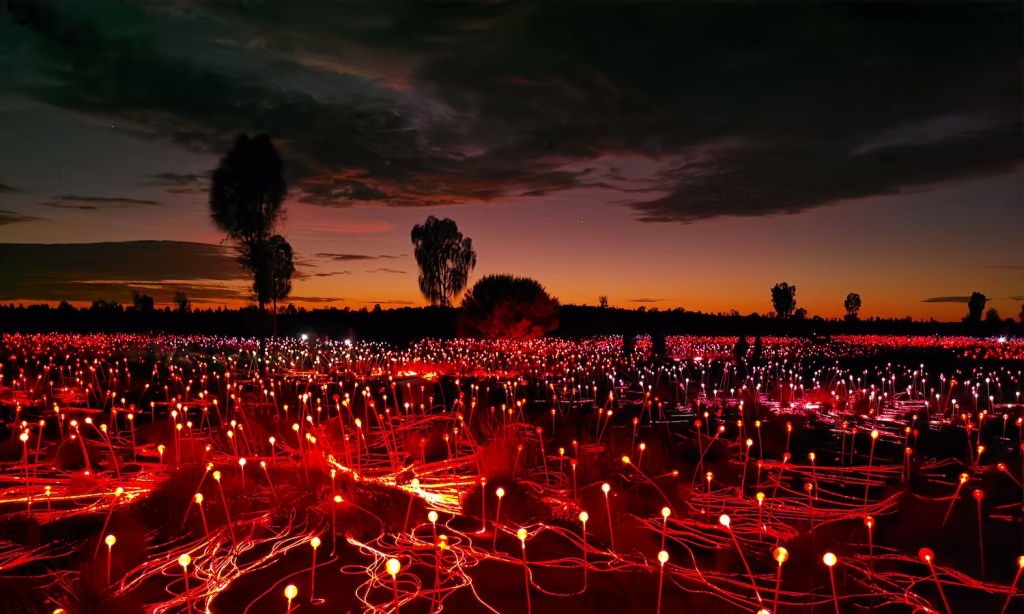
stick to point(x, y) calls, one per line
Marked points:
point(445, 258)
point(142, 302)
point(975, 306)
point(181, 301)
point(784, 299)
point(505, 306)
point(852, 305)
point(274, 266)
point(245, 202)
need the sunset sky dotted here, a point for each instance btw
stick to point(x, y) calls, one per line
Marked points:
point(665, 156)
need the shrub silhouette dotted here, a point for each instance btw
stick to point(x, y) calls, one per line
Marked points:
point(505, 306)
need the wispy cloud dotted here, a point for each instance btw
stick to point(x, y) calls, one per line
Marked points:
point(355, 257)
point(387, 270)
point(947, 299)
point(647, 300)
point(13, 217)
point(94, 203)
point(389, 302)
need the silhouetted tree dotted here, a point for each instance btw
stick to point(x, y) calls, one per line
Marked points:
point(1020, 316)
point(445, 258)
point(602, 301)
point(274, 266)
point(182, 302)
point(142, 302)
point(852, 306)
point(975, 306)
point(800, 314)
point(784, 299)
point(245, 202)
point(505, 306)
point(992, 315)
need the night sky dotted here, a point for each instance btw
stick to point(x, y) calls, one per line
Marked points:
point(665, 156)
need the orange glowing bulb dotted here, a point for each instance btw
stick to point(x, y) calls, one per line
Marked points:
point(781, 555)
point(584, 517)
point(663, 557)
point(184, 560)
point(110, 540)
point(829, 559)
point(290, 592)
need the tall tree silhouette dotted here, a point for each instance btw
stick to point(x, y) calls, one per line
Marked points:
point(784, 299)
point(245, 202)
point(445, 258)
point(975, 306)
point(852, 305)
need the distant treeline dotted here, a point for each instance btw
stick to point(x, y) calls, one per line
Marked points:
point(413, 323)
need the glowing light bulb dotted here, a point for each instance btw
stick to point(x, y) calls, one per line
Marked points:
point(829, 559)
point(781, 555)
point(110, 540)
point(663, 557)
point(393, 567)
point(184, 560)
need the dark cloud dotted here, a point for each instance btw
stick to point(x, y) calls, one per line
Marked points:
point(13, 217)
point(647, 300)
point(355, 257)
point(6, 189)
point(387, 270)
point(947, 299)
point(181, 183)
point(38, 271)
point(684, 111)
point(95, 203)
point(393, 302)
